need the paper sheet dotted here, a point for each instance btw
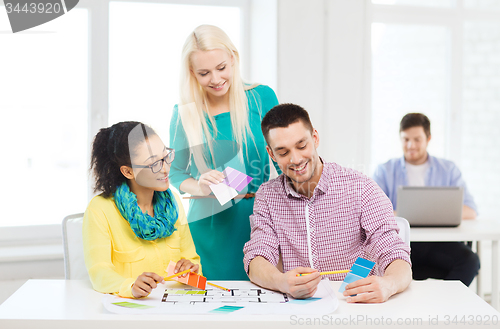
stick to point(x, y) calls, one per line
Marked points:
point(223, 193)
point(246, 298)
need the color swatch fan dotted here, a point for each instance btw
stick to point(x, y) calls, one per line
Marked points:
point(192, 279)
point(234, 181)
point(359, 270)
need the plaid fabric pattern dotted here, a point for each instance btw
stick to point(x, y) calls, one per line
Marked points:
point(349, 216)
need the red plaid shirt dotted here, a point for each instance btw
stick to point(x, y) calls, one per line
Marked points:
point(347, 216)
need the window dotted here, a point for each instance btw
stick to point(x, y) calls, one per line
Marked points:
point(410, 73)
point(422, 3)
point(145, 56)
point(480, 135)
point(44, 134)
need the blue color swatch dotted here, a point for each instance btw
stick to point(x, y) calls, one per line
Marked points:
point(226, 309)
point(359, 270)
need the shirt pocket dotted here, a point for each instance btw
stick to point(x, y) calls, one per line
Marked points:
point(173, 244)
point(129, 256)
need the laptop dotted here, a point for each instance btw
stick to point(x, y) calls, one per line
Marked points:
point(430, 205)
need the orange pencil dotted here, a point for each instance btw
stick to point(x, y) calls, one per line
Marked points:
point(216, 286)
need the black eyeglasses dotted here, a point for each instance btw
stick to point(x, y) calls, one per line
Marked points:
point(158, 165)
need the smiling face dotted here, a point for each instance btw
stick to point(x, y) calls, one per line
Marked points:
point(147, 153)
point(294, 149)
point(414, 142)
point(213, 70)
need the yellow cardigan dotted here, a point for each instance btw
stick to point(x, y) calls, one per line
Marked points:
point(115, 256)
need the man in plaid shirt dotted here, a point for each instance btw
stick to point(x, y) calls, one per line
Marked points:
point(319, 216)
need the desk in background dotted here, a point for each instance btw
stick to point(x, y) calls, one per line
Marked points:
point(74, 304)
point(470, 230)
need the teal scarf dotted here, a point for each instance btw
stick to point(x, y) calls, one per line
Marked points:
point(144, 226)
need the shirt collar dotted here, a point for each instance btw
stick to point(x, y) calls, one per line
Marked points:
point(430, 160)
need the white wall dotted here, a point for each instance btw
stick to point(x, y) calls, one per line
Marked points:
point(321, 67)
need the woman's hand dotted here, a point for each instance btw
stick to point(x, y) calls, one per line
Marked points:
point(185, 264)
point(209, 178)
point(145, 283)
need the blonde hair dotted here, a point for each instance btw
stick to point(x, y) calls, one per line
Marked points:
point(193, 97)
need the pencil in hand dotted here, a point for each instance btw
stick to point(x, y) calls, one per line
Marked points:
point(325, 273)
point(176, 275)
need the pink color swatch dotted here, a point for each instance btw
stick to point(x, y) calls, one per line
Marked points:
point(236, 179)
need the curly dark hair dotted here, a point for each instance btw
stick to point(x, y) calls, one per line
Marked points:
point(110, 150)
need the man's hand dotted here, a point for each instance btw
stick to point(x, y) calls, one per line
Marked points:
point(373, 289)
point(300, 286)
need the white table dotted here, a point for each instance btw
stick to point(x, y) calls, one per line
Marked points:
point(470, 230)
point(73, 304)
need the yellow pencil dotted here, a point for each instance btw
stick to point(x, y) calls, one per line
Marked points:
point(178, 274)
point(216, 286)
point(324, 273)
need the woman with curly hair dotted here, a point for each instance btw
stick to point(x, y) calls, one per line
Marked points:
point(136, 226)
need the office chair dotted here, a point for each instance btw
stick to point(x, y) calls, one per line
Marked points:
point(404, 229)
point(74, 263)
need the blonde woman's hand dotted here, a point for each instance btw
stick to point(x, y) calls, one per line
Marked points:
point(209, 178)
point(145, 283)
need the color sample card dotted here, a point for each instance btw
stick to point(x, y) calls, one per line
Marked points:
point(133, 305)
point(359, 270)
point(192, 279)
point(226, 309)
point(236, 179)
point(223, 193)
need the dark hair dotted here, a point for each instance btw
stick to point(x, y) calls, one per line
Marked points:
point(283, 115)
point(416, 120)
point(111, 150)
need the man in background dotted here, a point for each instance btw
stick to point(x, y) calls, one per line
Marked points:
point(439, 260)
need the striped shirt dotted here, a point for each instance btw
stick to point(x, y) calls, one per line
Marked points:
point(347, 217)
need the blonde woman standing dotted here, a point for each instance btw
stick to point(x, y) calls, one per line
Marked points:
point(217, 125)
